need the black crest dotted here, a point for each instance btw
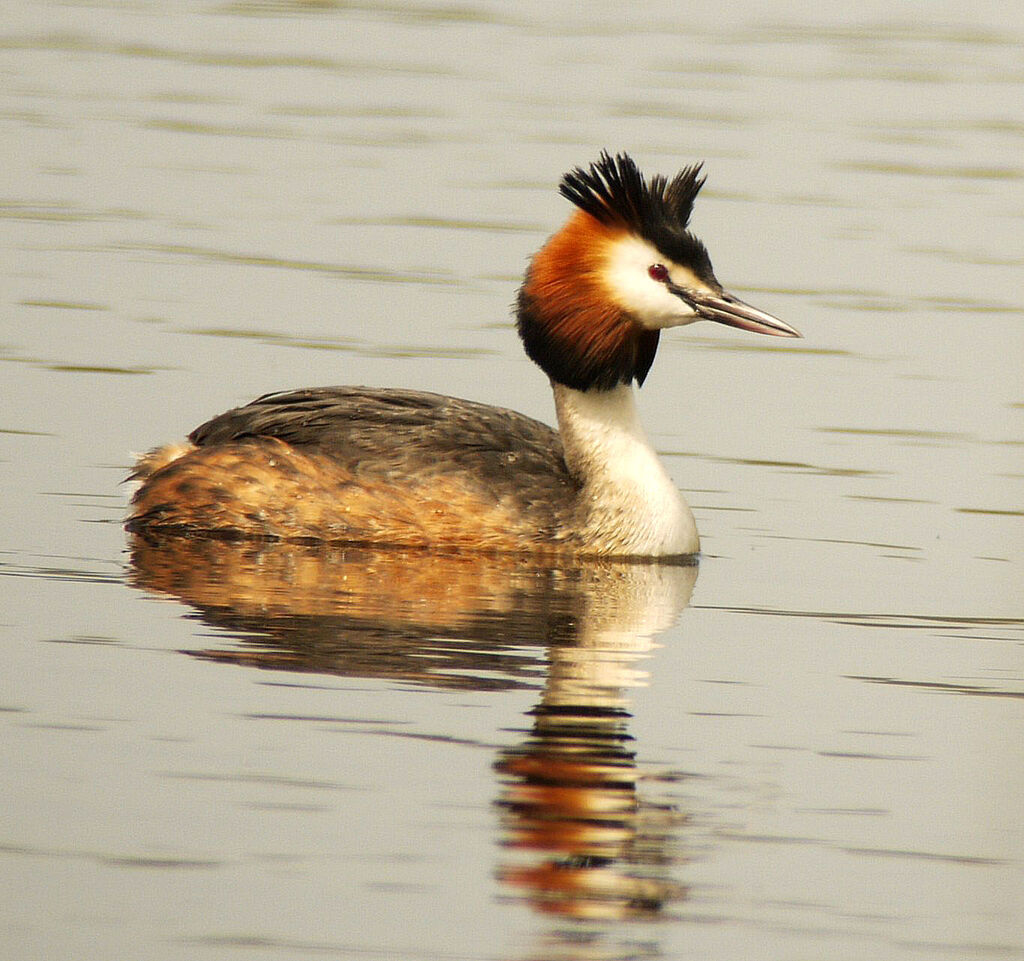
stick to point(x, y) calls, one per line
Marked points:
point(614, 192)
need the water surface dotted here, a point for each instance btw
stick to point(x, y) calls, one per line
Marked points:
point(809, 746)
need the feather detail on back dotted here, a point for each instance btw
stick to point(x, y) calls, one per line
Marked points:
point(362, 465)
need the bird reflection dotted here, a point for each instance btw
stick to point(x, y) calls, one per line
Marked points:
point(595, 848)
point(579, 837)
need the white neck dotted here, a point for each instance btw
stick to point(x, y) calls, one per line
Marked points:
point(630, 504)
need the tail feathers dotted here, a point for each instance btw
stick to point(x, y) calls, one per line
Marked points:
point(159, 457)
point(250, 489)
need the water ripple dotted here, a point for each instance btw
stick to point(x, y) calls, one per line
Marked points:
point(940, 686)
point(349, 271)
point(79, 43)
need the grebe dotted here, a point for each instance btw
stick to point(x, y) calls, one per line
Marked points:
point(412, 469)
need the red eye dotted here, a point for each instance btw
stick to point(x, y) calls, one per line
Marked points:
point(658, 272)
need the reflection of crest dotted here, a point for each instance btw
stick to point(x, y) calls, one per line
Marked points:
point(569, 793)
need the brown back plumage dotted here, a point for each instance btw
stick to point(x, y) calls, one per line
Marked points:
point(362, 465)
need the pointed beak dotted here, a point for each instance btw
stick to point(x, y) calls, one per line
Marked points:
point(723, 308)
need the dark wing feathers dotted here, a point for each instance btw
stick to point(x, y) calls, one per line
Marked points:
point(393, 434)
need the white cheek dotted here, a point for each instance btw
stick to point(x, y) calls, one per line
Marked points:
point(647, 299)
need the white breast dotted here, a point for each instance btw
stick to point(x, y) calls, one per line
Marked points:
point(631, 505)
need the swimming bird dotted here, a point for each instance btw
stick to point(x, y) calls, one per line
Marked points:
point(411, 469)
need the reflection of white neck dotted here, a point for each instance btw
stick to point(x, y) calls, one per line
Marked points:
point(631, 505)
point(625, 607)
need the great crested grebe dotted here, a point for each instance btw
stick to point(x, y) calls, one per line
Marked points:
point(412, 469)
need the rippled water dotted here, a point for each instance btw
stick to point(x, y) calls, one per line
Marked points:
point(809, 746)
